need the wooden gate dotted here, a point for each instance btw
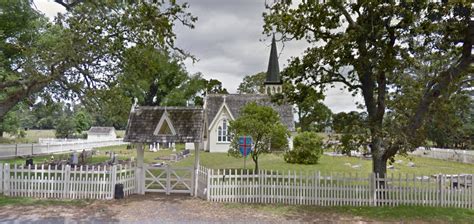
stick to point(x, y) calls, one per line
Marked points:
point(169, 179)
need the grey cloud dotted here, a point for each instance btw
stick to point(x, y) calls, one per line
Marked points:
point(229, 43)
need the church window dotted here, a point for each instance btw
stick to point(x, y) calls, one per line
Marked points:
point(222, 132)
point(219, 134)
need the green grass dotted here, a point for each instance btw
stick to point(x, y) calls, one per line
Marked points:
point(390, 214)
point(31, 136)
point(327, 164)
point(21, 201)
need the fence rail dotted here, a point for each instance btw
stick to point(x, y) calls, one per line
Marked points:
point(13, 150)
point(458, 155)
point(339, 189)
point(85, 182)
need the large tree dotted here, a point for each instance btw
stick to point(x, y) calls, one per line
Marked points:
point(83, 49)
point(313, 115)
point(372, 47)
point(263, 124)
point(252, 83)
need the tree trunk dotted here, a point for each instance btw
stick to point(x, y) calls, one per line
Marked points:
point(255, 160)
point(379, 160)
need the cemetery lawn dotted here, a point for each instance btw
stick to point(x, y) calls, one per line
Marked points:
point(327, 164)
point(401, 214)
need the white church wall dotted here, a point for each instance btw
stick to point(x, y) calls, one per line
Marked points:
point(214, 145)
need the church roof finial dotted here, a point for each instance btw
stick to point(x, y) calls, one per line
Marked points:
point(273, 72)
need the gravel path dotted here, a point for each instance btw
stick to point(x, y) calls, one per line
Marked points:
point(159, 208)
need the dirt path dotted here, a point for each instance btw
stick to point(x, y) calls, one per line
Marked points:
point(158, 208)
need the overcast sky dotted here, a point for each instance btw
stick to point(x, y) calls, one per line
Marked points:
point(229, 44)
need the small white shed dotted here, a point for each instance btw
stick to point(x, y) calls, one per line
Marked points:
point(101, 133)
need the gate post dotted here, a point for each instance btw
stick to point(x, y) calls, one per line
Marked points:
point(196, 169)
point(113, 181)
point(168, 180)
point(140, 172)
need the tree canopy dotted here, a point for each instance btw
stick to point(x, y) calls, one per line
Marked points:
point(83, 49)
point(374, 48)
point(263, 124)
point(252, 84)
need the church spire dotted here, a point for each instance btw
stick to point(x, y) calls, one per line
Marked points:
point(273, 81)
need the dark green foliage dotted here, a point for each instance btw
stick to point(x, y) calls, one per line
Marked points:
point(375, 48)
point(263, 124)
point(85, 49)
point(252, 83)
point(65, 127)
point(307, 149)
point(82, 120)
point(313, 115)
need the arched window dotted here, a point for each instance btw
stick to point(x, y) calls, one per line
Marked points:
point(219, 134)
point(222, 132)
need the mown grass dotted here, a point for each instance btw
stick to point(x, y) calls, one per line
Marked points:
point(384, 214)
point(327, 164)
point(31, 136)
point(22, 201)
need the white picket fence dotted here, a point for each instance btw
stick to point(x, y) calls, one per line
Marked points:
point(85, 182)
point(13, 150)
point(335, 189)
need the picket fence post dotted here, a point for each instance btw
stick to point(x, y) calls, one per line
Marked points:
point(6, 180)
point(66, 183)
point(208, 190)
point(440, 190)
point(113, 181)
point(1, 178)
point(472, 191)
point(373, 190)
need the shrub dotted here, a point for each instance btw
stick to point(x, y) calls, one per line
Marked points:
point(307, 149)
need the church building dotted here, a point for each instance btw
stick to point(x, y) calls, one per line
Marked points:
point(220, 109)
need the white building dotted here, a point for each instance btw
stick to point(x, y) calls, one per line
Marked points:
point(219, 109)
point(101, 133)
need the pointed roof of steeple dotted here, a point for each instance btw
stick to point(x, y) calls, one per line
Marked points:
point(273, 72)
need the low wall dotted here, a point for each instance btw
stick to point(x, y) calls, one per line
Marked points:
point(463, 156)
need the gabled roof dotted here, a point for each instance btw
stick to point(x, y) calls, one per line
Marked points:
point(101, 130)
point(273, 72)
point(143, 121)
point(223, 107)
point(235, 102)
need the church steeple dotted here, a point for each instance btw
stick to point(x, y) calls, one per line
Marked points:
point(273, 83)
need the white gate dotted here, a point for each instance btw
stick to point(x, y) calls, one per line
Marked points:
point(169, 179)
